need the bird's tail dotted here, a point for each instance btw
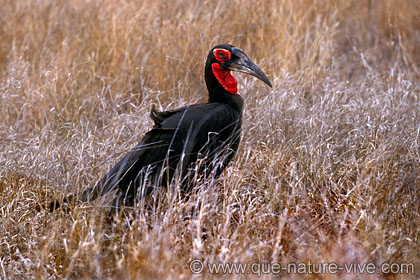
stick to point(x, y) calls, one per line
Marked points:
point(89, 194)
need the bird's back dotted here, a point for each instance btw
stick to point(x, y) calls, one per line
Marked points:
point(199, 138)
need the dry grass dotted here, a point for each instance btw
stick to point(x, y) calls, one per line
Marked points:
point(328, 169)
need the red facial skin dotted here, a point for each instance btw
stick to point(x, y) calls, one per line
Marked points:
point(224, 77)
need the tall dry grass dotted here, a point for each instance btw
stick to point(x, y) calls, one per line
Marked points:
point(328, 169)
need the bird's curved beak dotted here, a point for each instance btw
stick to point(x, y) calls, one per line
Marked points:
point(241, 63)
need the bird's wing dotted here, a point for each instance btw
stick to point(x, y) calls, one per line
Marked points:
point(177, 137)
point(213, 133)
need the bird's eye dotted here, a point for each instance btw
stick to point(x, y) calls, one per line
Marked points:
point(221, 54)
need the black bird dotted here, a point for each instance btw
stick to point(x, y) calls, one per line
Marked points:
point(186, 144)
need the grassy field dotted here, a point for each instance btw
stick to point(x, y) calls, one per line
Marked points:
point(329, 164)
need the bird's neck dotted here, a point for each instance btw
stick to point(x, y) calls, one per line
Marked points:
point(217, 93)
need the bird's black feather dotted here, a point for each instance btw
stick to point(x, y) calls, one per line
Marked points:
point(196, 132)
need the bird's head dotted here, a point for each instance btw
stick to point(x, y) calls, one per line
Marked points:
point(225, 58)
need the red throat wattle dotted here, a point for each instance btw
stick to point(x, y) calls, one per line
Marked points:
point(224, 77)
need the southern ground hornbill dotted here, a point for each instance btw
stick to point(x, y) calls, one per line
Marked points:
point(186, 144)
